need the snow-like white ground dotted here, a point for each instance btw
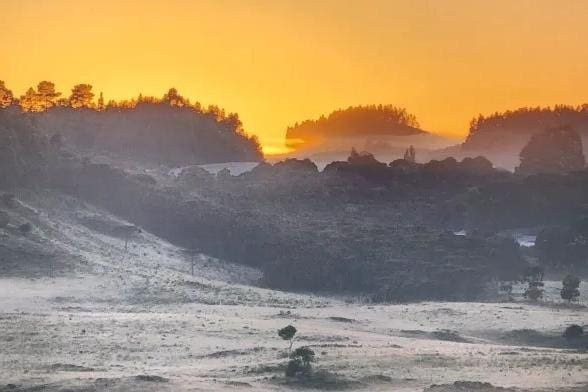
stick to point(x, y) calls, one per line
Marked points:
point(522, 237)
point(139, 321)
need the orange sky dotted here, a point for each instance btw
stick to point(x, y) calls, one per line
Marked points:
point(278, 61)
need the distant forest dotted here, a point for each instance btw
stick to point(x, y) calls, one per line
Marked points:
point(355, 121)
point(171, 129)
point(499, 129)
point(360, 226)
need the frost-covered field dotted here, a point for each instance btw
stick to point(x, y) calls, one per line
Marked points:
point(139, 321)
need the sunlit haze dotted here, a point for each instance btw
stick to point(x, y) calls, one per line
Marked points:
point(278, 62)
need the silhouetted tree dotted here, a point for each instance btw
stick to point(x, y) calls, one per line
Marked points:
point(28, 101)
point(534, 278)
point(6, 97)
point(530, 118)
point(126, 231)
point(81, 96)
point(234, 122)
point(46, 96)
point(570, 287)
point(410, 155)
point(288, 333)
point(173, 98)
point(216, 112)
point(556, 150)
point(100, 105)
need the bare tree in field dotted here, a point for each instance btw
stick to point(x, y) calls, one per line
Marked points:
point(192, 253)
point(288, 333)
point(126, 232)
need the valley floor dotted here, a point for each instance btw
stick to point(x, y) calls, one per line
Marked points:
point(106, 319)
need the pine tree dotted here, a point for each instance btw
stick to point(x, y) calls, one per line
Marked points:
point(6, 97)
point(100, 106)
point(81, 96)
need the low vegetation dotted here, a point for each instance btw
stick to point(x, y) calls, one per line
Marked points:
point(378, 120)
point(570, 290)
point(299, 360)
point(573, 332)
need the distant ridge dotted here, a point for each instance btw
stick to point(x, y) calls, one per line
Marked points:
point(355, 121)
point(501, 136)
point(149, 132)
point(169, 130)
point(384, 130)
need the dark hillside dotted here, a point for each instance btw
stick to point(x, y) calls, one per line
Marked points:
point(501, 136)
point(153, 132)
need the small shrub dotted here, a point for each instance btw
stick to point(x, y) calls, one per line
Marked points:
point(305, 354)
point(300, 362)
point(574, 331)
point(535, 291)
point(570, 290)
point(534, 278)
point(25, 228)
point(224, 174)
point(294, 368)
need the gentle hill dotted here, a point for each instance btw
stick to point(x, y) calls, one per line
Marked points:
point(501, 136)
point(169, 130)
point(384, 130)
point(154, 132)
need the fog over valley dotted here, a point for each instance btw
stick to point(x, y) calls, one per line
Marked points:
point(293, 196)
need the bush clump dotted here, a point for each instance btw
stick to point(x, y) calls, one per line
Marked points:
point(570, 290)
point(25, 228)
point(574, 331)
point(300, 362)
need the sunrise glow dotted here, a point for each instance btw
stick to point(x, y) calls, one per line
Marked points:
point(276, 62)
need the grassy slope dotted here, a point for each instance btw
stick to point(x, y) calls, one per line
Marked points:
point(109, 316)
